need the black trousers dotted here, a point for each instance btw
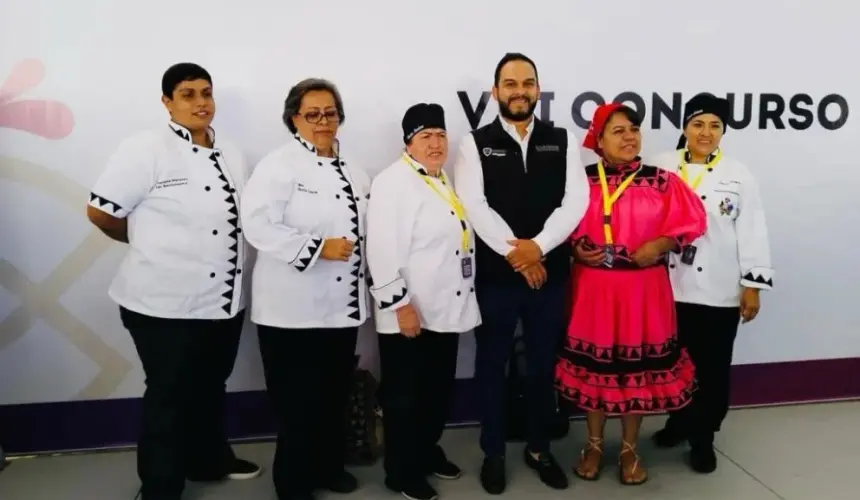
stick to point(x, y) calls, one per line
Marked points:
point(186, 364)
point(309, 375)
point(415, 394)
point(543, 315)
point(708, 333)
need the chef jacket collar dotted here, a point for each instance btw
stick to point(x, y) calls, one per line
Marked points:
point(420, 167)
point(185, 134)
point(310, 147)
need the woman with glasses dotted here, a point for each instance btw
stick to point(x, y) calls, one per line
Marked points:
point(304, 211)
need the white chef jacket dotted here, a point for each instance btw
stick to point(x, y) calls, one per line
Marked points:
point(490, 226)
point(415, 252)
point(186, 249)
point(734, 252)
point(295, 200)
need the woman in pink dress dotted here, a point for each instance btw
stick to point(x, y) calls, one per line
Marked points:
point(621, 355)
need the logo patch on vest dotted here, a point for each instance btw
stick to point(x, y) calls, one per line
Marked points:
point(494, 152)
point(546, 148)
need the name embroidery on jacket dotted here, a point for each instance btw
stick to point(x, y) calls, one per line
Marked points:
point(546, 148)
point(171, 183)
point(304, 189)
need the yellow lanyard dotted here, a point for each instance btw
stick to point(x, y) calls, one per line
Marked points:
point(682, 169)
point(451, 199)
point(609, 201)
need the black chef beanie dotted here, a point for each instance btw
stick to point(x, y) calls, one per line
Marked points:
point(702, 104)
point(422, 116)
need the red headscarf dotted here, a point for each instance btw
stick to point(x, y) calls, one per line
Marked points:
point(601, 115)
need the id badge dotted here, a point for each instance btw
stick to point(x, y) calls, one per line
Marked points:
point(608, 256)
point(466, 267)
point(688, 255)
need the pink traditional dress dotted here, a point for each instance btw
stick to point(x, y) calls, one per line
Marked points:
point(621, 354)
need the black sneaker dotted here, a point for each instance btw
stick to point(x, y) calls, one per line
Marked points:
point(419, 489)
point(443, 468)
point(493, 477)
point(343, 482)
point(243, 469)
point(550, 473)
point(703, 458)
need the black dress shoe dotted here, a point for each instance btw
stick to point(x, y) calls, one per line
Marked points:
point(493, 477)
point(299, 496)
point(669, 437)
point(343, 482)
point(550, 473)
point(703, 458)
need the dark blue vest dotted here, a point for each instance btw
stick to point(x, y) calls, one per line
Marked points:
point(524, 192)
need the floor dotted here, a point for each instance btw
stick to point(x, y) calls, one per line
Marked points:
point(761, 451)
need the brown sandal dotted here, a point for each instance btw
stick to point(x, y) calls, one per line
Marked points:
point(629, 479)
point(594, 445)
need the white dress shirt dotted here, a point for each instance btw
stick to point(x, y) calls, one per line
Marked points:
point(415, 252)
point(734, 252)
point(489, 225)
point(186, 249)
point(293, 202)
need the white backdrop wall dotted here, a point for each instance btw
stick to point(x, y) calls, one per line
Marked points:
point(60, 336)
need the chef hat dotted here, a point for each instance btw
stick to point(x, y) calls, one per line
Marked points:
point(422, 116)
point(701, 104)
point(598, 122)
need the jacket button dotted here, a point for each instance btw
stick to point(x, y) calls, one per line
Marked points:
point(452, 212)
point(207, 188)
point(704, 197)
point(195, 149)
point(361, 275)
point(471, 250)
point(319, 163)
point(238, 271)
point(217, 153)
point(699, 269)
point(211, 275)
point(672, 266)
point(337, 196)
point(472, 289)
point(456, 252)
point(238, 230)
point(458, 293)
point(214, 231)
point(339, 278)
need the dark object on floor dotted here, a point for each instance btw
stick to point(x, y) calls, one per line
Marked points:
point(363, 446)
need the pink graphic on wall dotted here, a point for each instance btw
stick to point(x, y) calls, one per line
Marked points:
point(45, 118)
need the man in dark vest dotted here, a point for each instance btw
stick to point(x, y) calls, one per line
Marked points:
point(524, 188)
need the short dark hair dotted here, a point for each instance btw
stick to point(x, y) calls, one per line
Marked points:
point(294, 99)
point(509, 57)
point(627, 111)
point(182, 72)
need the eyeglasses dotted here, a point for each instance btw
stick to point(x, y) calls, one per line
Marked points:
point(314, 117)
